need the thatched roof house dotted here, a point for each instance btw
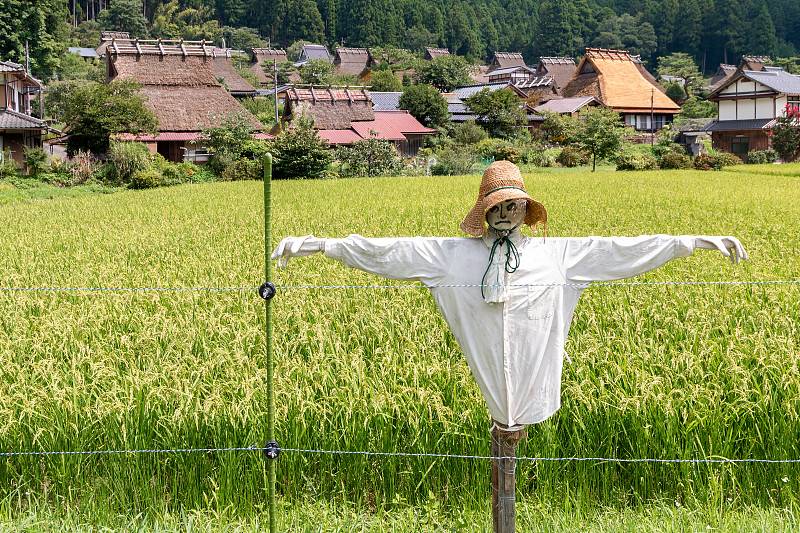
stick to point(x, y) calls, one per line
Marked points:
point(351, 60)
point(615, 79)
point(345, 116)
point(538, 89)
point(432, 53)
point(755, 63)
point(265, 54)
point(505, 60)
point(723, 73)
point(560, 69)
point(181, 89)
point(223, 69)
point(122, 38)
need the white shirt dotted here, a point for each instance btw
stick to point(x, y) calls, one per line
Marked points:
point(514, 348)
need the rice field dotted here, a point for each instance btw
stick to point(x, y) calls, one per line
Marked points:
point(656, 371)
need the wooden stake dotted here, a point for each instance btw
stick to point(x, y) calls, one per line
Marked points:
point(504, 444)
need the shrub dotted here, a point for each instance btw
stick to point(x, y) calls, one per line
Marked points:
point(35, 160)
point(571, 156)
point(672, 160)
point(507, 153)
point(636, 161)
point(469, 133)
point(369, 157)
point(127, 158)
point(84, 166)
point(762, 157)
point(453, 162)
point(785, 135)
point(147, 179)
point(487, 148)
point(299, 153)
point(538, 156)
point(715, 160)
point(244, 169)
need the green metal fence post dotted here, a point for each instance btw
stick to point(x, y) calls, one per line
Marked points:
point(268, 310)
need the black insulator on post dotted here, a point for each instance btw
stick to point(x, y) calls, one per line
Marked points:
point(267, 291)
point(272, 450)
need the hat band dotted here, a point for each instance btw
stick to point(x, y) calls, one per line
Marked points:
point(508, 187)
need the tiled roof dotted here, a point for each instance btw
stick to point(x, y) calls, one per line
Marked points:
point(385, 101)
point(83, 52)
point(566, 105)
point(315, 51)
point(468, 90)
point(9, 66)
point(732, 125)
point(11, 120)
point(777, 80)
point(339, 136)
point(388, 125)
point(509, 70)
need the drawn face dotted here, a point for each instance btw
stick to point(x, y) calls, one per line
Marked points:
point(507, 215)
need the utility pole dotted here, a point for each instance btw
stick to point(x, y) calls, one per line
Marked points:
point(504, 466)
point(652, 124)
point(275, 86)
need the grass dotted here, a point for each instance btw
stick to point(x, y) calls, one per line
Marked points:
point(657, 371)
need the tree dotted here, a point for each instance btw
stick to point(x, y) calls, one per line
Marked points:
point(425, 104)
point(385, 81)
point(42, 24)
point(555, 33)
point(369, 157)
point(762, 39)
point(299, 153)
point(444, 72)
point(681, 65)
point(785, 135)
point(689, 32)
point(227, 139)
point(316, 72)
point(124, 15)
point(696, 107)
point(500, 111)
point(95, 112)
point(418, 37)
point(600, 132)
point(627, 32)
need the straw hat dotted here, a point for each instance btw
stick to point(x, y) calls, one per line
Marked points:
point(501, 181)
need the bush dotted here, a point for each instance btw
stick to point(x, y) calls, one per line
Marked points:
point(762, 157)
point(507, 153)
point(675, 161)
point(35, 160)
point(715, 160)
point(127, 158)
point(572, 157)
point(453, 162)
point(469, 133)
point(636, 161)
point(299, 153)
point(369, 157)
point(83, 168)
point(538, 156)
point(244, 169)
point(487, 148)
point(147, 179)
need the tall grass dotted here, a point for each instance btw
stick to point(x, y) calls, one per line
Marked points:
point(656, 371)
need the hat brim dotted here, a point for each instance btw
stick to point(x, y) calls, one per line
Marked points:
point(475, 221)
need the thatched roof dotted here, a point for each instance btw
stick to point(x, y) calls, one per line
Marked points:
point(331, 109)
point(560, 69)
point(182, 88)
point(505, 60)
point(107, 36)
point(263, 54)
point(614, 78)
point(351, 60)
point(721, 75)
point(753, 62)
point(223, 68)
point(432, 53)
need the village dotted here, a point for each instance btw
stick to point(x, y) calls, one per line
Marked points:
point(191, 87)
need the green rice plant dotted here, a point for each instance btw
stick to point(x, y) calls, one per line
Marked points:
point(661, 371)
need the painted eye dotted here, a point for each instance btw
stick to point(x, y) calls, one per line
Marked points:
point(493, 209)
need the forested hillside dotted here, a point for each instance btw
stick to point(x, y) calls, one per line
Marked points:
point(712, 31)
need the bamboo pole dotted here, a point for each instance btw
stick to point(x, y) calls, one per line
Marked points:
point(504, 451)
point(268, 311)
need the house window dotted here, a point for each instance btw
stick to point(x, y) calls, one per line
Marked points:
point(643, 122)
point(740, 145)
point(12, 98)
point(630, 120)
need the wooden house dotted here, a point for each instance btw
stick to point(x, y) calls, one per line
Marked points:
point(749, 104)
point(515, 75)
point(259, 56)
point(222, 63)
point(353, 61)
point(505, 60)
point(615, 78)
point(178, 80)
point(18, 129)
point(560, 69)
point(343, 116)
point(432, 53)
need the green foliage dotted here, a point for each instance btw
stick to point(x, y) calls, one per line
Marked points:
point(295, 49)
point(572, 156)
point(454, 161)
point(74, 67)
point(386, 81)
point(444, 72)
point(42, 23)
point(557, 24)
point(681, 65)
point(8, 167)
point(244, 169)
point(673, 161)
point(84, 167)
point(124, 15)
point(762, 157)
point(508, 153)
point(425, 104)
point(538, 156)
point(499, 111)
point(696, 107)
point(316, 72)
point(469, 132)
point(675, 91)
point(227, 140)
point(785, 135)
point(627, 32)
point(96, 111)
point(369, 157)
point(487, 148)
point(57, 96)
point(600, 133)
point(263, 108)
point(126, 159)
point(558, 128)
point(634, 160)
point(35, 160)
point(299, 153)
point(715, 160)
point(147, 179)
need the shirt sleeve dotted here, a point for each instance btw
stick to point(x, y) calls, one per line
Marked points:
point(613, 258)
point(412, 259)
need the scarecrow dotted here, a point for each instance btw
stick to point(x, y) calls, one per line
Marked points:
point(508, 298)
